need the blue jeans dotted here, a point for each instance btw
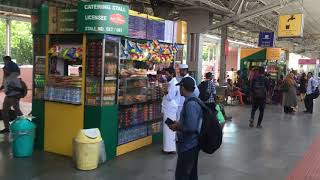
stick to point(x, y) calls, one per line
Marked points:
point(187, 165)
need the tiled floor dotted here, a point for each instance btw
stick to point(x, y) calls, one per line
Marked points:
point(271, 153)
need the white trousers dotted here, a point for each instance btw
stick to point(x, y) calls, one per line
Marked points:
point(169, 137)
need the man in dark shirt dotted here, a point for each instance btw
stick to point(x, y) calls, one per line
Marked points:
point(10, 66)
point(188, 129)
point(259, 89)
point(11, 72)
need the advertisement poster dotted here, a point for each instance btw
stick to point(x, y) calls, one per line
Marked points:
point(169, 31)
point(291, 26)
point(103, 17)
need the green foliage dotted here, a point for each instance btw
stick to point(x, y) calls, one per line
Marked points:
point(21, 41)
point(2, 38)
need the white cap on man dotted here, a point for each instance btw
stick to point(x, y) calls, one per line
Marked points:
point(183, 66)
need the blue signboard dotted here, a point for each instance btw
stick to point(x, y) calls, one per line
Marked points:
point(266, 39)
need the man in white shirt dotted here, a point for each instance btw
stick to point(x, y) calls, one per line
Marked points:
point(311, 90)
point(170, 104)
point(184, 72)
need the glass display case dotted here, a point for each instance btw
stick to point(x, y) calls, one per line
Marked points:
point(102, 70)
point(39, 76)
point(64, 81)
point(39, 67)
point(140, 94)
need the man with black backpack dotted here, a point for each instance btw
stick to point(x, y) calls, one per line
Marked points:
point(208, 91)
point(259, 89)
point(14, 89)
point(197, 129)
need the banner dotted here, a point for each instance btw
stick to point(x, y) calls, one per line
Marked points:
point(266, 39)
point(103, 17)
point(290, 26)
point(307, 61)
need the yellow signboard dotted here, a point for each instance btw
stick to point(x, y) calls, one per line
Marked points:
point(290, 26)
point(273, 54)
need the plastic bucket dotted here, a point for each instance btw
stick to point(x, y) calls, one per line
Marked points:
point(22, 145)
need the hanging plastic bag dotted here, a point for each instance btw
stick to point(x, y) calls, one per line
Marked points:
point(102, 154)
point(220, 116)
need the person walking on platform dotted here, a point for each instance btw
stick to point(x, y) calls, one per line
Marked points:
point(169, 109)
point(312, 93)
point(258, 88)
point(290, 100)
point(188, 130)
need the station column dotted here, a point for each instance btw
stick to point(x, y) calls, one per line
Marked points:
point(223, 53)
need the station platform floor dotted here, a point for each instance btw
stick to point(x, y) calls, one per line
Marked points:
point(288, 147)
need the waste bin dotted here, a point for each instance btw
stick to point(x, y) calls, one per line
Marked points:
point(22, 133)
point(87, 149)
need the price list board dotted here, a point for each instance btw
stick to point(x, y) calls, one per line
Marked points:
point(155, 29)
point(138, 27)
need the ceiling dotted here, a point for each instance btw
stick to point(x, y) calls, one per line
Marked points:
point(246, 25)
point(247, 28)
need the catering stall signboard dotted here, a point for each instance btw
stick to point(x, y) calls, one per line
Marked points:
point(290, 26)
point(273, 54)
point(103, 17)
point(266, 39)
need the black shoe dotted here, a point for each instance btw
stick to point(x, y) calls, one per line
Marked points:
point(4, 131)
point(259, 126)
point(251, 123)
point(308, 112)
point(170, 152)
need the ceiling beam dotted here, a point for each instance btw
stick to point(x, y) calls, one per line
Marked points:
point(245, 16)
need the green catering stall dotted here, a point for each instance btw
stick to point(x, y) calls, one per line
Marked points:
point(97, 66)
point(272, 59)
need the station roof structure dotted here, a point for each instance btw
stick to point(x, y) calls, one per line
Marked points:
point(246, 17)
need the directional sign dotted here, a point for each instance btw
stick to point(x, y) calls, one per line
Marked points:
point(290, 26)
point(266, 39)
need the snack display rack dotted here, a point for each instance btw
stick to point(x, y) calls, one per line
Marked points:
point(95, 78)
point(101, 70)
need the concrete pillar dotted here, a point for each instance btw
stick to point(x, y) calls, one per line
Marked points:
point(8, 36)
point(223, 64)
point(194, 59)
point(197, 20)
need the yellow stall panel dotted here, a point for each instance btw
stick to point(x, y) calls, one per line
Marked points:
point(62, 123)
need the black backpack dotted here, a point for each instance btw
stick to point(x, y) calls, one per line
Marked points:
point(24, 89)
point(259, 88)
point(203, 89)
point(210, 137)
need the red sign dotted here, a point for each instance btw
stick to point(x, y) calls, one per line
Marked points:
point(118, 19)
point(308, 61)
